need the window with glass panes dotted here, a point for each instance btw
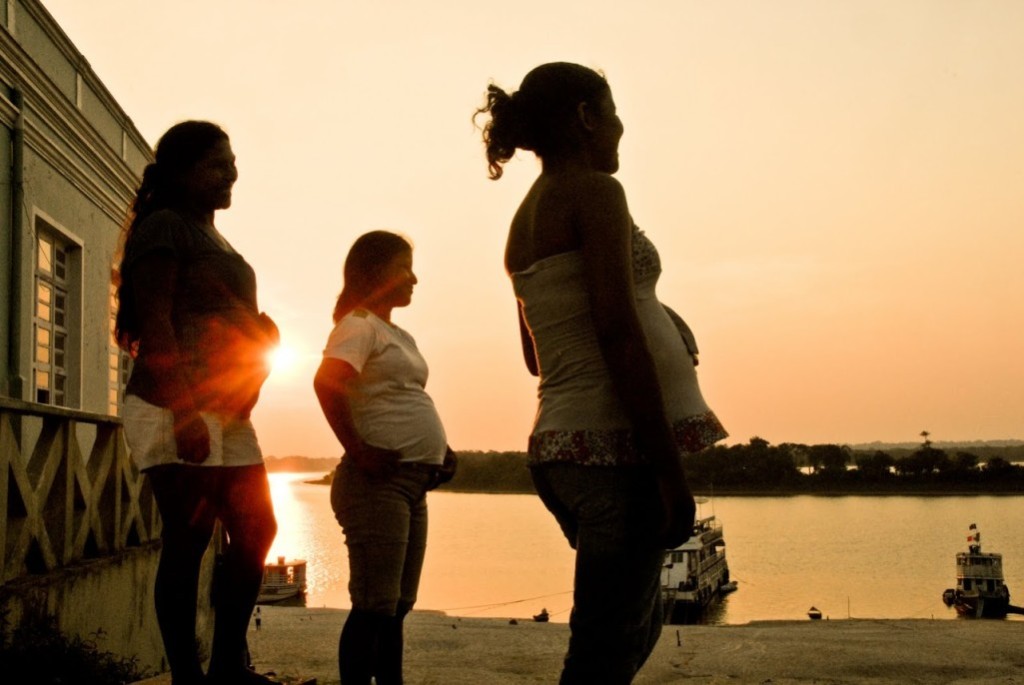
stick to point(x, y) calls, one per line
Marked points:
point(50, 320)
point(118, 362)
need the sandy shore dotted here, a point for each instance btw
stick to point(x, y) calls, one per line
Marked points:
point(442, 650)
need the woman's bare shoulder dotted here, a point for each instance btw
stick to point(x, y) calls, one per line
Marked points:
point(594, 183)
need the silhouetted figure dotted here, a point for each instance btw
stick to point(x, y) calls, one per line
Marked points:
point(187, 313)
point(371, 387)
point(619, 400)
point(259, 619)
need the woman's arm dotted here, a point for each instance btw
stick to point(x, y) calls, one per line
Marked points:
point(529, 351)
point(332, 387)
point(154, 277)
point(605, 234)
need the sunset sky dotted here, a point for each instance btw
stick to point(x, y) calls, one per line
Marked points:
point(836, 189)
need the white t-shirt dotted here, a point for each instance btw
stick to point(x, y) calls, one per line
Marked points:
point(389, 403)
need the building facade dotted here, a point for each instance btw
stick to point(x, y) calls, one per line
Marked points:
point(66, 178)
point(79, 529)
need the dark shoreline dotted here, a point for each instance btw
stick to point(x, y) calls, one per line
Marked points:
point(768, 492)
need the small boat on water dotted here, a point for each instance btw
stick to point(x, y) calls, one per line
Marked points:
point(695, 573)
point(282, 580)
point(814, 613)
point(980, 591)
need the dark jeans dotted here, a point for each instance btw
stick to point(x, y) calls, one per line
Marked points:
point(385, 526)
point(191, 499)
point(611, 517)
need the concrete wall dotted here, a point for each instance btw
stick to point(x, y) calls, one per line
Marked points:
point(108, 600)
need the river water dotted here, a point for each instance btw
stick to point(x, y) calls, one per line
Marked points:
point(856, 556)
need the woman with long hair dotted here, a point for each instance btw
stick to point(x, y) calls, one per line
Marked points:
point(371, 386)
point(619, 400)
point(188, 315)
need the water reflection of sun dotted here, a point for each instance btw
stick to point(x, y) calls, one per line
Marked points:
point(306, 530)
point(288, 515)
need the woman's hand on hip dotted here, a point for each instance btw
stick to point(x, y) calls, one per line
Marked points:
point(375, 462)
point(192, 437)
point(679, 507)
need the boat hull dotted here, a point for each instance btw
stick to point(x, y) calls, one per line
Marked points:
point(272, 595)
point(283, 581)
point(996, 606)
point(687, 608)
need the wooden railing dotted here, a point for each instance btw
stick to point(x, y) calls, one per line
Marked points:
point(68, 490)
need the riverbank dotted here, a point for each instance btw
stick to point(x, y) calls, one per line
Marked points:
point(443, 650)
point(817, 490)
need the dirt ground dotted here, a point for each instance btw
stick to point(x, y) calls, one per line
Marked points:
point(442, 650)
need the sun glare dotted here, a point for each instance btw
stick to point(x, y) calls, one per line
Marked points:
point(283, 360)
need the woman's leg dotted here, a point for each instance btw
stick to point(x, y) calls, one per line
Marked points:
point(188, 523)
point(616, 616)
point(358, 646)
point(376, 517)
point(392, 641)
point(247, 512)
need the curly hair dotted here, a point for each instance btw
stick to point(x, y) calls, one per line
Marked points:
point(539, 115)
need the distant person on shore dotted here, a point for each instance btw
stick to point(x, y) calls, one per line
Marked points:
point(371, 387)
point(619, 400)
point(187, 313)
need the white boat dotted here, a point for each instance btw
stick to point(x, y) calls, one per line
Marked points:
point(282, 580)
point(695, 573)
point(980, 591)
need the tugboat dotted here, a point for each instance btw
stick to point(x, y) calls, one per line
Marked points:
point(282, 580)
point(980, 591)
point(695, 573)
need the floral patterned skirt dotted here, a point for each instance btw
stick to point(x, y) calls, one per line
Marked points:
point(617, 447)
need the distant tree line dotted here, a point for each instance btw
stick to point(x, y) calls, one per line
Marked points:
point(759, 467)
point(503, 472)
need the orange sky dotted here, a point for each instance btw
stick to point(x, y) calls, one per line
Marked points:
point(836, 189)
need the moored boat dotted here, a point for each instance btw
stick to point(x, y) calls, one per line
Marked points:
point(282, 580)
point(695, 573)
point(980, 591)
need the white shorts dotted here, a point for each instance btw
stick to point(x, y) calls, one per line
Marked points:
point(149, 430)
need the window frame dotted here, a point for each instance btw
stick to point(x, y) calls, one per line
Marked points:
point(56, 354)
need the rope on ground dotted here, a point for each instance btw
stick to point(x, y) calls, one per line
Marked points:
point(926, 612)
point(502, 604)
